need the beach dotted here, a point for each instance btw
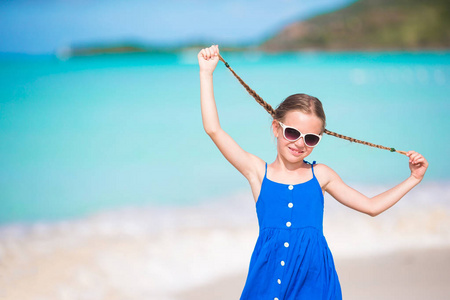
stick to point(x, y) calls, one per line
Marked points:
point(409, 274)
point(203, 251)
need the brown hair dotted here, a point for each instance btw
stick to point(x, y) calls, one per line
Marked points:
point(303, 103)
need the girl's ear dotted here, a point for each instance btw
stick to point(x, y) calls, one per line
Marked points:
point(275, 127)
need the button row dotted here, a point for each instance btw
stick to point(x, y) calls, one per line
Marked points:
point(286, 244)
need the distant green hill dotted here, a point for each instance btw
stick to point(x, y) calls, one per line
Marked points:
point(371, 25)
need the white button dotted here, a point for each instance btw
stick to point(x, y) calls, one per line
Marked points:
point(291, 205)
point(288, 224)
point(275, 298)
point(282, 263)
point(279, 281)
point(291, 187)
point(286, 244)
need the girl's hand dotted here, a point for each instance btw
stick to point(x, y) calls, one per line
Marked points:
point(417, 164)
point(208, 59)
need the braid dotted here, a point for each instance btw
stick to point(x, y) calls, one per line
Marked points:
point(271, 111)
point(258, 98)
point(362, 142)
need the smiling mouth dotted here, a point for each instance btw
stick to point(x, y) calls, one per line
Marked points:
point(295, 151)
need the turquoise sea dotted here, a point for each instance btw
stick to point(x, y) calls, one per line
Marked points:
point(90, 134)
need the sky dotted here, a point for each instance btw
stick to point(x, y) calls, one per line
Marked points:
point(44, 26)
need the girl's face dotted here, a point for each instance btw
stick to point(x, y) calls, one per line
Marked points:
point(306, 123)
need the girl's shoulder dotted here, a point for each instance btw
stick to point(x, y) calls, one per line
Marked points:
point(324, 174)
point(321, 167)
point(318, 166)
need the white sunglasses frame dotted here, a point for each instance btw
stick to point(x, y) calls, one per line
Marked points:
point(302, 135)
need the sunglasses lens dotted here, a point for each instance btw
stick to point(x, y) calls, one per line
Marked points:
point(291, 134)
point(311, 140)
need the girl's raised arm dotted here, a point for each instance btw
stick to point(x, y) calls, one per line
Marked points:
point(334, 185)
point(248, 164)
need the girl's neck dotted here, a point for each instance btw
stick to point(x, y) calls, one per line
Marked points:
point(284, 165)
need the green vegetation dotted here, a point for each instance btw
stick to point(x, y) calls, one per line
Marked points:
point(363, 25)
point(371, 25)
point(111, 48)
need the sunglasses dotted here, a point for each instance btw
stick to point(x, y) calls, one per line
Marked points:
point(291, 134)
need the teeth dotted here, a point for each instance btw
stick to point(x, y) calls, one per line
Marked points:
point(294, 150)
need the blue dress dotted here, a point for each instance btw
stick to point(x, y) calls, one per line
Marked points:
point(291, 259)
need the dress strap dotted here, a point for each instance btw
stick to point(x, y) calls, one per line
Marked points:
point(312, 165)
point(265, 174)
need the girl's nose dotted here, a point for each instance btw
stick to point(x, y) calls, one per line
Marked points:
point(300, 142)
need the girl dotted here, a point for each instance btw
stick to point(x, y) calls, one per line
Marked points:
point(291, 259)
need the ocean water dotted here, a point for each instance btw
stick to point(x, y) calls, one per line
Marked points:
point(88, 134)
point(109, 185)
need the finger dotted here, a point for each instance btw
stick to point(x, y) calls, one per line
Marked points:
point(208, 51)
point(211, 52)
point(413, 157)
point(203, 53)
point(415, 154)
point(414, 161)
point(409, 153)
point(419, 160)
point(214, 50)
point(420, 157)
point(412, 154)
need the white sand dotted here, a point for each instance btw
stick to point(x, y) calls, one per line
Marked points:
point(420, 274)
